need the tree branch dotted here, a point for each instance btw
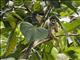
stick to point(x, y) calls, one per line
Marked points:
point(69, 35)
point(36, 43)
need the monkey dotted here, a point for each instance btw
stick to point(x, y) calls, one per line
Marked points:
point(51, 25)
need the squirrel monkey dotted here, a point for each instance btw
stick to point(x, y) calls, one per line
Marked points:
point(51, 25)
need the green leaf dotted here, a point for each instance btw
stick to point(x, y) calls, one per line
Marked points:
point(66, 12)
point(18, 2)
point(77, 2)
point(33, 33)
point(1, 25)
point(48, 46)
point(73, 52)
point(71, 26)
point(34, 56)
point(2, 4)
point(20, 12)
point(54, 52)
point(37, 7)
point(11, 20)
point(18, 50)
point(12, 41)
point(15, 15)
point(69, 4)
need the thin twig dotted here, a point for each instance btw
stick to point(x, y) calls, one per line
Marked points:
point(69, 35)
point(36, 43)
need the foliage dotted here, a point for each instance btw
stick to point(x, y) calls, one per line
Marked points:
point(33, 30)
